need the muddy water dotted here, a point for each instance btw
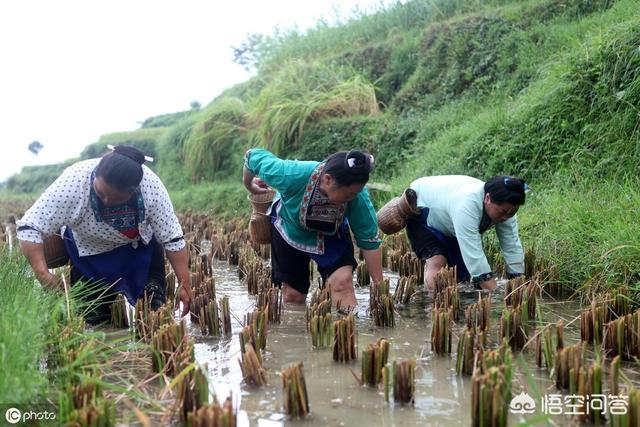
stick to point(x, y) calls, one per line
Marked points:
point(335, 397)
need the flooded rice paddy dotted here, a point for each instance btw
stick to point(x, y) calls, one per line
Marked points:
point(335, 396)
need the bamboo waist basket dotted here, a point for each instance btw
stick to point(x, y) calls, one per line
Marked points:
point(261, 202)
point(55, 252)
point(393, 216)
point(260, 222)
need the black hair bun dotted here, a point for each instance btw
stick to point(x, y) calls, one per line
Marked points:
point(358, 161)
point(516, 183)
point(504, 188)
point(131, 152)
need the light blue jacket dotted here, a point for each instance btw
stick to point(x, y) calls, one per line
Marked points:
point(455, 205)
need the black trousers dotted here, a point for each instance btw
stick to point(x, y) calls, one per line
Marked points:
point(291, 265)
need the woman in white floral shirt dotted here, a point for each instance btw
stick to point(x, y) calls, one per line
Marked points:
point(117, 222)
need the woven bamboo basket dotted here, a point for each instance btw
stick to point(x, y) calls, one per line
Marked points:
point(260, 228)
point(393, 216)
point(261, 202)
point(55, 252)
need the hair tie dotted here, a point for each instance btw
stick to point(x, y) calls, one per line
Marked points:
point(359, 160)
point(114, 149)
point(515, 182)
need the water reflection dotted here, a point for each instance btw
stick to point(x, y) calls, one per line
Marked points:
point(335, 397)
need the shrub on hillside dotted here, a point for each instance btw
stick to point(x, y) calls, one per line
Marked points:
point(358, 31)
point(388, 65)
point(216, 139)
point(35, 179)
point(304, 93)
point(171, 162)
point(483, 52)
point(165, 120)
point(144, 139)
point(590, 121)
point(385, 137)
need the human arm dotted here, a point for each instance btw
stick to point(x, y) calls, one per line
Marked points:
point(286, 176)
point(465, 217)
point(168, 231)
point(179, 261)
point(34, 252)
point(252, 183)
point(59, 205)
point(373, 259)
point(364, 222)
point(511, 246)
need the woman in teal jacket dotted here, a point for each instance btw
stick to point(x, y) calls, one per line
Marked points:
point(316, 205)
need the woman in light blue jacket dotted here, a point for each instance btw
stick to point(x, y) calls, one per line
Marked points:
point(455, 211)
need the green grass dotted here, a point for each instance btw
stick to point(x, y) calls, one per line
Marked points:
point(216, 139)
point(34, 179)
point(41, 359)
point(544, 89)
point(301, 94)
point(224, 199)
point(588, 231)
point(357, 30)
point(167, 120)
point(25, 312)
point(589, 119)
point(171, 163)
point(11, 203)
point(145, 139)
point(143, 134)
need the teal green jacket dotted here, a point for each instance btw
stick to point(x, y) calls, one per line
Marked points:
point(294, 182)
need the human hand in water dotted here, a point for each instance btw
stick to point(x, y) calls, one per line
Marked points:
point(185, 297)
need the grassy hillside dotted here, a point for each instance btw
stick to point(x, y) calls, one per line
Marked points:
point(545, 89)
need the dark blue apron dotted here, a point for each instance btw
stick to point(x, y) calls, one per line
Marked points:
point(126, 266)
point(334, 245)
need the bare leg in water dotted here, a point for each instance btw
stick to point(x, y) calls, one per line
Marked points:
point(290, 295)
point(340, 282)
point(431, 268)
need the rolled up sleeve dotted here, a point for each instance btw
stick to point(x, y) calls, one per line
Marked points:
point(29, 234)
point(163, 220)
point(363, 221)
point(58, 206)
point(286, 176)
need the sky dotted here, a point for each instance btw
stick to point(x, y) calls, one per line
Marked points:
point(74, 70)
